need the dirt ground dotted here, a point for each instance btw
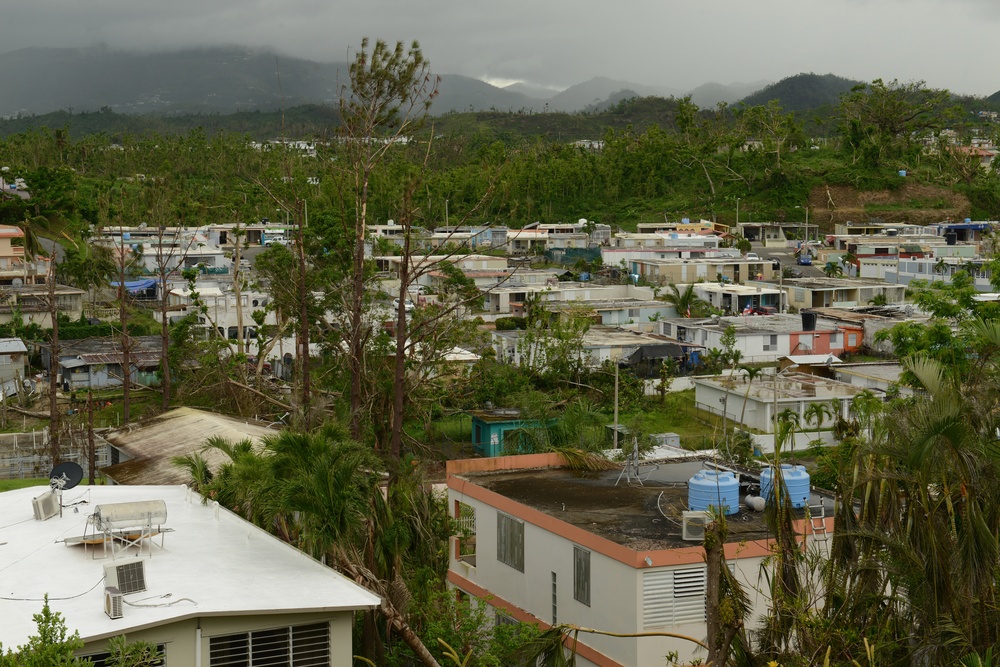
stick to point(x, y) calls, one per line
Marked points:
point(832, 204)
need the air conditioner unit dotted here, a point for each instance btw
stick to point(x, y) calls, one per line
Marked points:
point(694, 525)
point(114, 602)
point(45, 506)
point(128, 576)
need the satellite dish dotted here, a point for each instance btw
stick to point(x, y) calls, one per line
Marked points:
point(65, 476)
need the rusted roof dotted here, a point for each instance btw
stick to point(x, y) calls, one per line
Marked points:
point(153, 443)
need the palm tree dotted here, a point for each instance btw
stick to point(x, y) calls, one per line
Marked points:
point(321, 492)
point(941, 267)
point(817, 413)
point(833, 270)
point(686, 302)
point(752, 373)
point(788, 421)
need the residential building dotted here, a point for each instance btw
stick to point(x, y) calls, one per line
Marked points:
point(546, 546)
point(527, 241)
point(96, 363)
point(879, 376)
point(736, 299)
point(677, 271)
point(684, 225)
point(143, 453)
point(753, 403)
point(941, 269)
point(15, 267)
point(838, 292)
point(13, 365)
point(222, 592)
point(598, 345)
point(30, 304)
point(767, 338)
point(509, 299)
point(777, 234)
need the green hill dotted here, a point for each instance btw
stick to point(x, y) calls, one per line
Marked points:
point(803, 92)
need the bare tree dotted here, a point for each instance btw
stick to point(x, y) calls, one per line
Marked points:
point(390, 92)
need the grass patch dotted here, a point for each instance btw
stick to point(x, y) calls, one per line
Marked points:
point(11, 484)
point(677, 414)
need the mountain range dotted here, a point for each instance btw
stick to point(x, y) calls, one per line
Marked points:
point(226, 80)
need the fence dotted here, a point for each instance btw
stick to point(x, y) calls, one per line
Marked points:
point(27, 455)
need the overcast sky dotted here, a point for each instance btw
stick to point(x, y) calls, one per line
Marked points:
point(557, 43)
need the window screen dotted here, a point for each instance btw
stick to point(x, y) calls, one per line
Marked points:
point(298, 646)
point(510, 541)
point(581, 575)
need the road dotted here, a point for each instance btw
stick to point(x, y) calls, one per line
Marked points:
point(787, 258)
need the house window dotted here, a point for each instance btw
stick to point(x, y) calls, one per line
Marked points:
point(673, 597)
point(581, 575)
point(633, 312)
point(555, 601)
point(835, 340)
point(852, 340)
point(305, 645)
point(510, 541)
point(771, 343)
point(500, 618)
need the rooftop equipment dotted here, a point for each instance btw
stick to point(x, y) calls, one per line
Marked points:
point(712, 488)
point(796, 484)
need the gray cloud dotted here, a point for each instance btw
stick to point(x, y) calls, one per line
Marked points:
point(562, 42)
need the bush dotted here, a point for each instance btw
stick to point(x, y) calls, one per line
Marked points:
point(511, 323)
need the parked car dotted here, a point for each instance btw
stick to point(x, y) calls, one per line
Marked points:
point(753, 256)
point(805, 259)
point(794, 273)
point(407, 305)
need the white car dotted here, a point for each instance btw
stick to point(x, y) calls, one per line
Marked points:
point(753, 256)
point(407, 305)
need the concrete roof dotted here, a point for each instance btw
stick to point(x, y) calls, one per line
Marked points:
point(639, 517)
point(151, 444)
point(224, 564)
point(790, 387)
point(889, 371)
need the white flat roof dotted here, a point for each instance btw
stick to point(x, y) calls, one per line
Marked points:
point(226, 565)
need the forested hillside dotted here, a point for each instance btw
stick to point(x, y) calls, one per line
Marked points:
point(658, 158)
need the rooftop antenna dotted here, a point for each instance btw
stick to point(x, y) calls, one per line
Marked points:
point(631, 469)
point(63, 477)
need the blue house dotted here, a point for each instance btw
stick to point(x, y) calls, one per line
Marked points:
point(489, 427)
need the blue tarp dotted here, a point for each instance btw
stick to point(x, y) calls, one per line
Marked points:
point(137, 285)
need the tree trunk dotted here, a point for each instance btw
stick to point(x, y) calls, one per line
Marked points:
point(164, 341)
point(357, 306)
point(303, 337)
point(91, 456)
point(54, 416)
point(399, 371)
point(126, 349)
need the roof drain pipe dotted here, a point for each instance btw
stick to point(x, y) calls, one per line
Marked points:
point(197, 645)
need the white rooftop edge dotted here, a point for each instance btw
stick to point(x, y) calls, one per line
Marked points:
point(225, 564)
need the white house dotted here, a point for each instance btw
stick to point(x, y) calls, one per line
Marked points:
point(208, 587)
point(542, 545)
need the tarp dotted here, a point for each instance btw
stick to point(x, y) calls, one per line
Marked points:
point(138, 285)
point(657, 351)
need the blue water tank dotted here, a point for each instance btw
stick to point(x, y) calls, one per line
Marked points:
point(126, 236)
point(710, 488)
point(902, 172)
point(796, 484)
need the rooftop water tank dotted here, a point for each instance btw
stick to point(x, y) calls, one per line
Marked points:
point(710, 488)
point(796, 484)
